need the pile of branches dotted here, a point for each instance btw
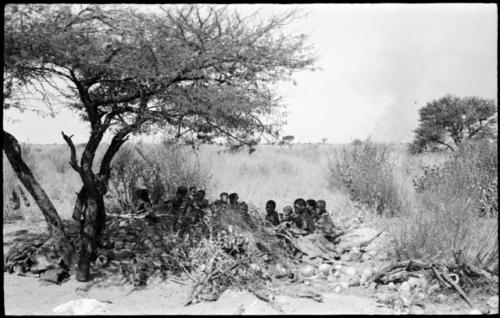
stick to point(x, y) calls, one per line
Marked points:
point(232, 250)
point(457, 277)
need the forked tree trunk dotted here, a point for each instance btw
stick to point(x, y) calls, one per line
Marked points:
point(89, 205)
point(93, 220)
point(54, 222)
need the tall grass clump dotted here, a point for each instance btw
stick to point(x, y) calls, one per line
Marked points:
point(159, 168)
point(365, 173)
point(455, 216)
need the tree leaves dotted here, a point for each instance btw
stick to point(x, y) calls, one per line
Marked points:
point(450, 120)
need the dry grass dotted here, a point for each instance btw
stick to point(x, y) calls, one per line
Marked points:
point(445, 218)
point(433, 223)
point(279, 173)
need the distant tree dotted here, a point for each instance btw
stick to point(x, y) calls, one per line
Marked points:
point(286, 140)
point(324, 140)
point(450, 120)
point(357, 142)
point(197, 72)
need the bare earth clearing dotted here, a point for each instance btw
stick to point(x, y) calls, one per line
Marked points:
point(29, 296)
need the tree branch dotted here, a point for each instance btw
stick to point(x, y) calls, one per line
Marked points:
point(120, 138)
point(444, 144)
point(23, 172)
point(73, 161)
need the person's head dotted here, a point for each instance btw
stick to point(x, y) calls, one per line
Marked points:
point(270, 206)
point(233, 198)
point(299, 206)
point(311, 205)
point(200, 194)
point(192, 190)
point(142, 194)
point(181, 192)
point(287, 210)
point(321, 205)
point(223, 197)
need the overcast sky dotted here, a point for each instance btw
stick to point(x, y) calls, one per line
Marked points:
point(379, 64)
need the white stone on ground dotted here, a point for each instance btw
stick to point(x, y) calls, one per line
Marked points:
point(84, 306)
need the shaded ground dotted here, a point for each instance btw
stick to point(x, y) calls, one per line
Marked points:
point(29, 296)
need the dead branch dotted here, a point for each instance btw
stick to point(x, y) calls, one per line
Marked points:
point(397, 277)
point(127, 216)
point(259, 294)
point(227, 271)
point(370, 240)
point(439, 277)
point(73, 161)
point(177, 281)
point(188, 275)
point(198, 287)
point(481, 272)
point(458, 289)
point(416, 265)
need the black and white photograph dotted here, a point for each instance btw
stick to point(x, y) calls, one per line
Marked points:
point(250, 159)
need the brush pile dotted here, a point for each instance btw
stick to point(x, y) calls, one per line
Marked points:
point(229, 247)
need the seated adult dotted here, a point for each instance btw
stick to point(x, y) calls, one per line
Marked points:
point(175, 205)
point(189, 217)
point(272, 215)
point(311, 206)
point(241, 207)
point(143, 202)
point(200, 200)
point(233, 199)
point(223, 199)
point(179, 197)
point(304, 219)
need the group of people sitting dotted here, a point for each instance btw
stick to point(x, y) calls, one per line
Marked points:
point(188, 207)
point(310, 216)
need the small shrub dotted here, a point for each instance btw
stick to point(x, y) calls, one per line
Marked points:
point(471, 172)
point(365, 173)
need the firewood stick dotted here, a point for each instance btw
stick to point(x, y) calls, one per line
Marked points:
point(459, 290)
point(438, 276)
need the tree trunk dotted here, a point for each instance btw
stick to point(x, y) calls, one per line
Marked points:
point(93, 221)
point(90, 201)
point(54, 222)
point(89, 206)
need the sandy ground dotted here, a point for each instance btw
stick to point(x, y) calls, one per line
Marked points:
point(26, 296)
point(29, 296)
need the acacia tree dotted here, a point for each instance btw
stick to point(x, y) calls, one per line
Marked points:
point(451, 120)
point(201, 72)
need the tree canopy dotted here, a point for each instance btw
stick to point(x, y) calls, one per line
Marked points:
point(199, 69)
point(450, 120)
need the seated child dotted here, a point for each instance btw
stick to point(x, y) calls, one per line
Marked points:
point(272, 215)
